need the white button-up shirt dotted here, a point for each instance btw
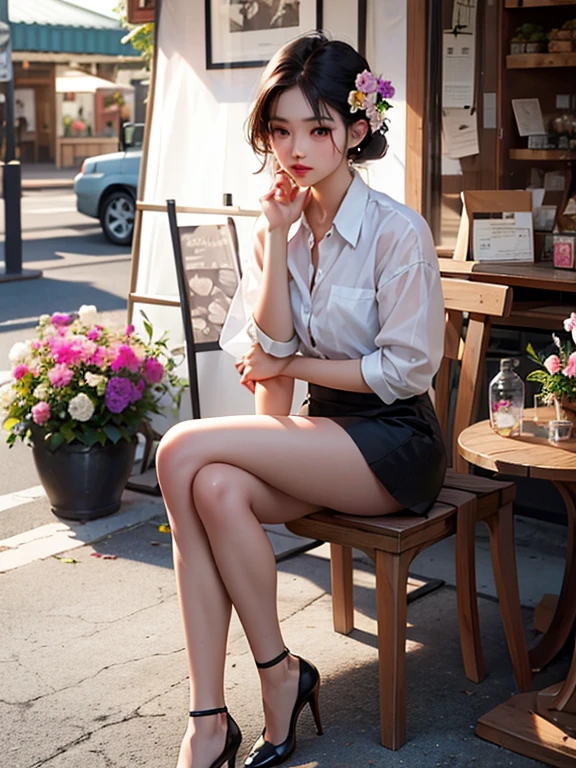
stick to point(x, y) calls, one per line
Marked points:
point(377, 296)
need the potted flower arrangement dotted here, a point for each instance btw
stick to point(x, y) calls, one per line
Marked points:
point(557, 372)
point(79, 394)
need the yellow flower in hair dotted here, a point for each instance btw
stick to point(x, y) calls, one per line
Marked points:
point(356, 100)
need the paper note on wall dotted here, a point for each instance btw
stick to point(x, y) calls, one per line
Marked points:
point(458, 56)
point(460, 131)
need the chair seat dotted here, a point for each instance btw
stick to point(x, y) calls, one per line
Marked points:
point(491, 494)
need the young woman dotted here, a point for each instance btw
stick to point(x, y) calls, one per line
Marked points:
point(347, 298)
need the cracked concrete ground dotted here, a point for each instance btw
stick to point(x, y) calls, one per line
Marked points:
point(93, 670)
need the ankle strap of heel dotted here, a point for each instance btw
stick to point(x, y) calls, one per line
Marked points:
point(277, 660)
point(204, 712)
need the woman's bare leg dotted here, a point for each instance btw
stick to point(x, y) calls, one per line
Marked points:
point(302, 463)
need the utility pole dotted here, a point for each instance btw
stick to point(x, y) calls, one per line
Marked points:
point(11, 176)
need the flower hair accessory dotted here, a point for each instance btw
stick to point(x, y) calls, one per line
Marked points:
point(371, 95)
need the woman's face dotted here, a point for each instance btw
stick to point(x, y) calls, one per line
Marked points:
point(307, 149)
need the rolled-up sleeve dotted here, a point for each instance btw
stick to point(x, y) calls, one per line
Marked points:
point(411, 337)
point(240, 330)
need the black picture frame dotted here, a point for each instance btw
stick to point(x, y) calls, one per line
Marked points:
point(211, 63)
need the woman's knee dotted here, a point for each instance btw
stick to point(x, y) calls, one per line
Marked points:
point(171, 447)
point(219, 493)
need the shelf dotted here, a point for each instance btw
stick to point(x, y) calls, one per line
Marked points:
point(538, 3)
point(542, 154)
point(540, 60)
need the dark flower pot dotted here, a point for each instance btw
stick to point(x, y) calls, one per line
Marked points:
point(84, 483)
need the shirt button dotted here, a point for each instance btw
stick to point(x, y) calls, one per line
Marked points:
point(412, 359)
point(319, 273)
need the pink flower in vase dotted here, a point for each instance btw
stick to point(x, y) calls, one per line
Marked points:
point(40, 413)
point(570, 370)
point(553, 364)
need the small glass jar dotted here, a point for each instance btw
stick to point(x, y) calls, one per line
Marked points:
point(506, 395)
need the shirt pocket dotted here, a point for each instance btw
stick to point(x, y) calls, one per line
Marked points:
point(352, 319)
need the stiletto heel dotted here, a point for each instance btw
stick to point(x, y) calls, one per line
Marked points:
point(314, 708)
point(264, 754)
point(233, 737)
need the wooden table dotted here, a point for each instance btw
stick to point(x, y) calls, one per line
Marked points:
point(540, 724)
point(541, 275)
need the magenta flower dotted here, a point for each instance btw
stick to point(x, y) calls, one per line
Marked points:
point(366, 82)
point(570, 369)
point(60, 318)
point(60, 375)
point(125, 358)
point(40, 413)
point(130, 330)
point(99, 358)
point(93, 334)
point(20, 371)
point(67, 351)
point(552, 364)
point(153, 370)
point(118, 394)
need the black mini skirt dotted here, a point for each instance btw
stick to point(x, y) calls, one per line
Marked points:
point(401, 442)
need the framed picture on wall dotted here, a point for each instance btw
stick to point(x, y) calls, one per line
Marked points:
point(247, 33)
point(140, 11)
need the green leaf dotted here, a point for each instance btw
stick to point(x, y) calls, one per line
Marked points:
point(102, 437)
point(148, 329)
point(540, 376)
point(113, 433)
point(67, 432)
point(9, 423)
point(55, 441)
point(532, 353)
point(90, 435)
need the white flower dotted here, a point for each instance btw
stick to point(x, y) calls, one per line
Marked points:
point(88, 314)
point(41, 392)
point(98, 381)
point(7, 396)
point(20, 353)
point(43, 319)
point(81, 407)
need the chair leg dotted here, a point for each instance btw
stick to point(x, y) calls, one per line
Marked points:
point(501, 528)
point(391, 584)
point(468, 620)
point(342, 584)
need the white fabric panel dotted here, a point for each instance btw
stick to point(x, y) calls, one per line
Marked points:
point(386, 52)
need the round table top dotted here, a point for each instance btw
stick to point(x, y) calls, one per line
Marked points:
point(529, 455)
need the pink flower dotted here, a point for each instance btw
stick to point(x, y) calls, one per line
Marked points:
point(60, 375)
point(153, 370)
point(35, 344)
point(570, 369)
point(20, 371)
point(552, 364)
point(99, 358)
point(366, 82)
point(93, 334)
point(67, 351)
point(125, 358)
point(130, 330)
point(40, 413)
point(570, 322)
point(60, 318)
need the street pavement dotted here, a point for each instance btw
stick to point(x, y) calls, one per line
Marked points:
point(93, 668)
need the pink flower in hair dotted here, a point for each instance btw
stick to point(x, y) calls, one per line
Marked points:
point(366, 82)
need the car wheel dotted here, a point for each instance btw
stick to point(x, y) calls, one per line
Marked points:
point(117, 217)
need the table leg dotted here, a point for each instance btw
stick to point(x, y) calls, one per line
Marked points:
point(565, 614)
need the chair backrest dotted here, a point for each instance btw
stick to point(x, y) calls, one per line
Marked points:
point(208, 269)
point(482, 302)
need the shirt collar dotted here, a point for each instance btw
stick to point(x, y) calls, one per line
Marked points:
point(348, 219)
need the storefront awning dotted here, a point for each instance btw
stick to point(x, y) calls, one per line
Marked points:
point(80, 82)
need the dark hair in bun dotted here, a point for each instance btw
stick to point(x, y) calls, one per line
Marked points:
point(326, 72)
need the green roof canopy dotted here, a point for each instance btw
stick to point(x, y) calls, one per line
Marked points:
point(55, 26)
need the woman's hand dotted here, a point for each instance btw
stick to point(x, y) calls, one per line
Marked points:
point(257, 365)
point(284, 203)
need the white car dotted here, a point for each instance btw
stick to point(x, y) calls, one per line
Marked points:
point(106, 186)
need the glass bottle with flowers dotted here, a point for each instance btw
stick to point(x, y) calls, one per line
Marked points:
point(80, 389)
point(557, 373)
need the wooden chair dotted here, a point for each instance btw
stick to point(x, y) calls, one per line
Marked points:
point(393, 541)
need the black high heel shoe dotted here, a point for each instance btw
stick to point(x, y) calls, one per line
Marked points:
point(233, 737)
point(264, 754)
